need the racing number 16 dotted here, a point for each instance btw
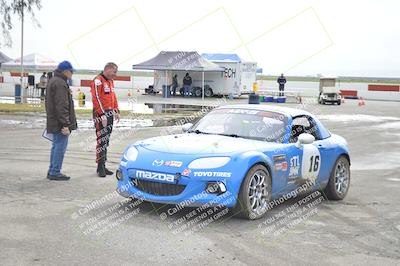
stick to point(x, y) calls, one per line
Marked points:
point(314, 163)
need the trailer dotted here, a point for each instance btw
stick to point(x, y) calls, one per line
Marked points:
point(237, 78)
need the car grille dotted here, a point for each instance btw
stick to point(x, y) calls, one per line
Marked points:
point(157, 188)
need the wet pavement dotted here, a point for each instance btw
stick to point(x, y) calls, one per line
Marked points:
point(84, 222)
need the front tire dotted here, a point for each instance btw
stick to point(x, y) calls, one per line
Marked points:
point(198, 92)
point(339, 181)
point(255, 193)
point(208, 92)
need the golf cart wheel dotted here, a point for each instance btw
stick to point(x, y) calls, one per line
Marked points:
point(255, 194)
point(339, 181)
point(197, 92)
point(208, 92)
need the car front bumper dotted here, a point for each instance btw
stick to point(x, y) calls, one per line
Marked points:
point(189, 191)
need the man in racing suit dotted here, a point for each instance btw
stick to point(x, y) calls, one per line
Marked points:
point(105, 109)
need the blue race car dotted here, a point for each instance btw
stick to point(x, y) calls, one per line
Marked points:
point(240, 156)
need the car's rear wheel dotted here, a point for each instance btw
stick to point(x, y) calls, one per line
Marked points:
point(255, 193)
point(339, 181)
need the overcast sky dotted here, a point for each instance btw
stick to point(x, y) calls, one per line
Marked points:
point(296, 37)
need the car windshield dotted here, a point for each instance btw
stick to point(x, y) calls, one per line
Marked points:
point(243, 123)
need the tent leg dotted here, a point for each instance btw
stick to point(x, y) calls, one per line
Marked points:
point(202, 85)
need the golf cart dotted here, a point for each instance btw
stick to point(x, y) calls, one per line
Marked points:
point(328, 93)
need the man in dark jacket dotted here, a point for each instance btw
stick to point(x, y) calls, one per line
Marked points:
point(174, 84)
point(42, 84)
point(281, 81)
point(187, 83)
point(61, 119)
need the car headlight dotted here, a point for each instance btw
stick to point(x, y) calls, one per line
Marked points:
point(209, 162)
point(339, 97)
point(131, 154)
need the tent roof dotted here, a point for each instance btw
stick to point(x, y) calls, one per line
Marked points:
point(4, 58)
point(178, 60)
point(222, 57)
point(32, 61)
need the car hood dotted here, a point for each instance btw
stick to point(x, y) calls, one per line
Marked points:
point(201, 144)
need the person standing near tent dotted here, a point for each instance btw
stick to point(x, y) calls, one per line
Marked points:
point(187, 83)
point(42, 84)
point(105, 109)
point(61, 119)
point(281, 81)
point(174, 84)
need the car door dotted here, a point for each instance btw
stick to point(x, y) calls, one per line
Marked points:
point(326, 149)
point(305, 161)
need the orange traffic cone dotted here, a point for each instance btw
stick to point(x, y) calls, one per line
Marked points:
point(129, 93)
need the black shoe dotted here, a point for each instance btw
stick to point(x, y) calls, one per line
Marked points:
point(101, 170)
point(108, 172)
point(59, 177)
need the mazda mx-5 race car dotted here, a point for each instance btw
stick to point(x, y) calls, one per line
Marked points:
point(252, 153)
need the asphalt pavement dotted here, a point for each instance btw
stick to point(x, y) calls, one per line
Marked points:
point(84, 222)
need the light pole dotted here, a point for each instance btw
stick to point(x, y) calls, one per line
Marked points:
point(22, 53)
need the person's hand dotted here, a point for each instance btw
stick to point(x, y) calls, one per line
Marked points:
point(117, 117)
point(104, 120)
point(65, 131)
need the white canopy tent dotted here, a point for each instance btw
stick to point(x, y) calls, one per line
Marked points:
point(31, 62)
point(4, 58)
point(180, 61)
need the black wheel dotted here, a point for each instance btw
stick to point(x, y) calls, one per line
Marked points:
point(339, 181)
point(208, 92)
point(255, 193)
point(197, 92)
point(338, 103)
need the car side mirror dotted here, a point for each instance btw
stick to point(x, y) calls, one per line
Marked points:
point(186, 127)
point(304, 138)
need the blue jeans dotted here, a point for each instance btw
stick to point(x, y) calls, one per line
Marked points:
point(58, 149)
point(173, 89)
point(186, 90)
